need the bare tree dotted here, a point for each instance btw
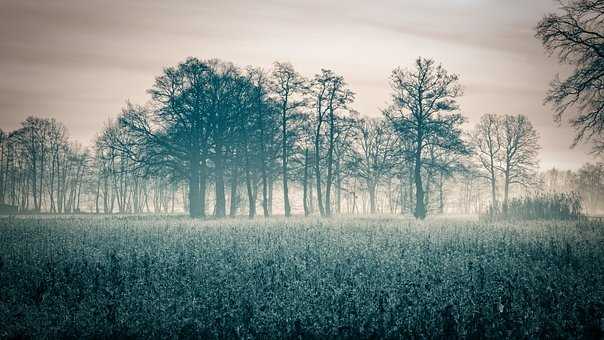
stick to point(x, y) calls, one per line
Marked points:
point(576, 36)
point(287, 86)
point(374, 154)
point(520, 147)
point(175, 132)
point(329, 96)
point(486, 140)
point(589, 182)
point(424, 101)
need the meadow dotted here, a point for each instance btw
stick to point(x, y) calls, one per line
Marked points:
point(350, 277)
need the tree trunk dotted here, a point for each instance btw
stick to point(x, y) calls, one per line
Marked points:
point(286, 206)
point(251, 192)
point(234, 195)
point(311, 201)
point(428, 189)
point(194, 193)
point(220, 209)
point(318, 181)
point(185, 194)
point(493, 186)
point(420, 207)
point(34, 177)
point(338, 187)
point(329, 165)
point(41, 184)
point(305, 184)
point(403, 195)
point(270, 195)
point(203, 185)
point(493, 191)
point(97, 194)
point(372, 203)
point(265, 192)
point(506, 190)
point(441, 194)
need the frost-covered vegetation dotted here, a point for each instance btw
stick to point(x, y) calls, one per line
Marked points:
point(550, 206)
point(363, 277)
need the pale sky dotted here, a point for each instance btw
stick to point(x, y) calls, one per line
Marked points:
point(79, 61)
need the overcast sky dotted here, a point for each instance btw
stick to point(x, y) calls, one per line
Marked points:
point(79, 61)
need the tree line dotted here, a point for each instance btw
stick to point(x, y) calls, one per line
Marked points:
point(215, 132)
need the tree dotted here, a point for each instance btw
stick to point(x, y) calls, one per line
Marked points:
point(576, 36)
point(442, 165)
point(329, 96)
point(487, 142)
point(207, 118)
point(373, 156)
point(253, 134)
point(424, 101)
point(175, 132)
point(286, 85)
point(344, 128)
point(306, 145)
point(590, 184)
point(520, 147)
point(224, 89)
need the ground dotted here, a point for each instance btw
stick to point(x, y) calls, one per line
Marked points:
point(381, 277)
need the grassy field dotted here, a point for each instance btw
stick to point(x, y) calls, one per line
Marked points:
point(348, 278)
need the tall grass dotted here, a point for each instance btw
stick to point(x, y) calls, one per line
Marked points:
point(547, 206)
point(356, 278)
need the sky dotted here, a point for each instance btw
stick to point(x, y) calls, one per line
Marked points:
point(80, 61)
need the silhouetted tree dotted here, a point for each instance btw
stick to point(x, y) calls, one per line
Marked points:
point(287, 86)
point(424, 101)
point(487, 141)
point(576, 36)
point(374, 153)
point(329, 96)
point(520, 147)
point(175, 132)
point(589, 183)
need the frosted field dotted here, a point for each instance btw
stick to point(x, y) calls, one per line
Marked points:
point(152, 276)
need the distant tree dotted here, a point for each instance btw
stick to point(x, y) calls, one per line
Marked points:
point(558, 181)
point(442, 165)
point(519, 151)
point(255, 134)
point(287, 86)
point(175, 132)
point(303, 156)
point(590, 184)
point(223, 91)
point(58, 140)
point(345, 126)
point(330, 95)
point(208, 120)
point(404, 153)
point(486, 139)
point(424, 101)
point(373, 154)
point(576, 36)
point(31, 136)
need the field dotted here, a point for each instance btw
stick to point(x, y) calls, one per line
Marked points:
point(158, 277)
